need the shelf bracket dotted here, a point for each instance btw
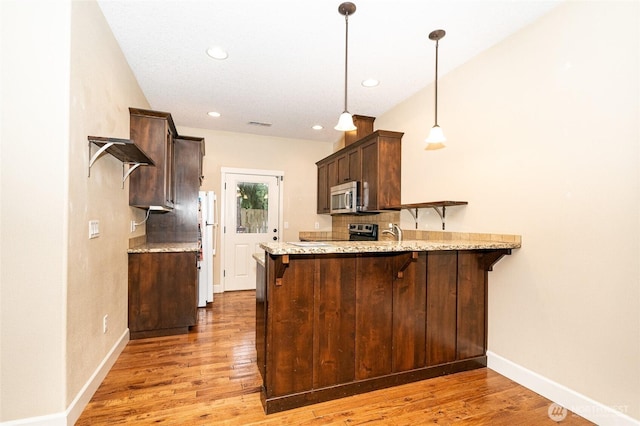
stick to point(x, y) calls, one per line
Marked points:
point(92, 159)
point(414, 213)
point(490, 258)
point(132, 167)
point(442, 214)
point(281, 264)
point(411, 257)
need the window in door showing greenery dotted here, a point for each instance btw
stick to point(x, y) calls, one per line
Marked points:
point(253, 207)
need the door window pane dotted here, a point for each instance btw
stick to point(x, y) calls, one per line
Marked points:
point(252, 208)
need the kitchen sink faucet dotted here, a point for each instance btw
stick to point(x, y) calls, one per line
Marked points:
point(395, 231)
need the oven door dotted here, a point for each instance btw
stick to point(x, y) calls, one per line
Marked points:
point(344, 198)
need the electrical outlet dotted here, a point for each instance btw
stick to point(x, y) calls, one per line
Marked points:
point(105, 324)
point(317, 225)
point(94, 229)
point(133, 226)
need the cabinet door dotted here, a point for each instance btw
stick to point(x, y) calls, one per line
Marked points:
point(289, 365)
point(332, 173)
point(349, 166)
point(169, 169)
point(153, 132)
point(409, 313)
point(381, 173)
point(180, 224)
point(472, 306)
point(162, 291)
point(334, 321)
point(354, 164)
point(374, 290)
point(180, 282)
point(343, 168)
point(323, 189)
point(442, 276)
point(389, 172)
point(369, 153)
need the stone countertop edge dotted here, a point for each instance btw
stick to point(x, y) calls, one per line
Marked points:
point(165, 248)
point(259, 257)
point(386, 246)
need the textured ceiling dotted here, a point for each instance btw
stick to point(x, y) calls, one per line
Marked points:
point(286, 57)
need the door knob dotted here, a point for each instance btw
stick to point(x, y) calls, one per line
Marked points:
point(275, 230)
point(275, 238)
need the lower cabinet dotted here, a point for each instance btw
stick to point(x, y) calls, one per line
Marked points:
point(162, 293)
point(334, 325)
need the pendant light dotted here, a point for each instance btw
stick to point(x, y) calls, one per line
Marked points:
point(436, 138)
point(345, 123)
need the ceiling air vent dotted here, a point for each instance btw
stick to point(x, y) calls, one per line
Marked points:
point(259, 124)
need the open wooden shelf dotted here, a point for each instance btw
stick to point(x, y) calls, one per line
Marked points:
point(124, 150)
point(439, 206)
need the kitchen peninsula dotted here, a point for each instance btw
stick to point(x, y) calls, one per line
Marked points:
point(335, 319)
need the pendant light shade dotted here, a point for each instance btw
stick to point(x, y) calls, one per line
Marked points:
point(436, 138)
point(345, 122)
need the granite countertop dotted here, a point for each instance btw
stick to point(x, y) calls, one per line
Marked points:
point(383, 246)
point(165, 248)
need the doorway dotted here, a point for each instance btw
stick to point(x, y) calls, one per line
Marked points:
point(252, 202)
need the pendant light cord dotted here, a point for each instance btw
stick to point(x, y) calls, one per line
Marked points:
point(437, 41)
point(346, 56)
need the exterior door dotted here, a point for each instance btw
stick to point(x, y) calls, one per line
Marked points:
point(252, 210)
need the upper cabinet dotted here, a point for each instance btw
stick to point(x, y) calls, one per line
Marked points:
point(181, 224)
point(380, 156)
point(375, 161)
point(153, 187)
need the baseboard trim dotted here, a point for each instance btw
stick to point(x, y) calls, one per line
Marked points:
point(582, 405)
point(73, 412)
point(86, 393)
point(218, 288)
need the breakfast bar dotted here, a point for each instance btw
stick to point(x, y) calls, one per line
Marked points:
point(338, 318)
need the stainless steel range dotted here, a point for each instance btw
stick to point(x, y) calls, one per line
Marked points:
point(363, 232)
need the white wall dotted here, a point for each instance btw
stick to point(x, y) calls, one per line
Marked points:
point(102, 89)
point(63, 78)
point(543, 141)
point(33, 215)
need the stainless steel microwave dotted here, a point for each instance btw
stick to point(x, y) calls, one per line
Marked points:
point(345, 198)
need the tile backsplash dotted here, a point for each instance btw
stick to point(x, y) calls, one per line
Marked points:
point(340, 231)
point(340, 223)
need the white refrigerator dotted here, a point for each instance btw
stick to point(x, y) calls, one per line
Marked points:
point(207, 229)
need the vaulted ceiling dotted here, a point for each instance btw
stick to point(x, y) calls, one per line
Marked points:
point(285, 64)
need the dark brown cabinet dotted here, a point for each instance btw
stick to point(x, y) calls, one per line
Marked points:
point(339, 324)
point(381, 170)
point(323, 189)
point(375, 161)
point(162, 293)
point(153, 187)
point(181, 224)
point(349, 166)
point(163, 275)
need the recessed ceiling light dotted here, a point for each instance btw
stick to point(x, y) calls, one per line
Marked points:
point(317, 127)
point(217, 52)
point(370, 82)
point(213, 114)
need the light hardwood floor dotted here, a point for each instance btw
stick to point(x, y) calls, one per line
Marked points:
point(209, 376)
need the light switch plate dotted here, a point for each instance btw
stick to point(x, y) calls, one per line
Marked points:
point(94, 229)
